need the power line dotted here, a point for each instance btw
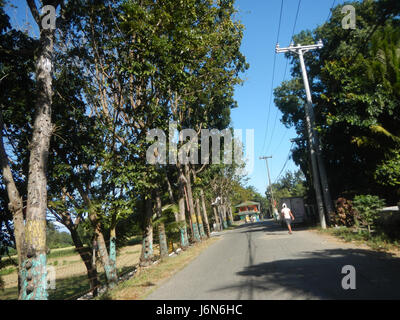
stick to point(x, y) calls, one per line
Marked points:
point(284, 75)
point(286, 162)
point(330, 11)
point(273, 76)
point(287, 61)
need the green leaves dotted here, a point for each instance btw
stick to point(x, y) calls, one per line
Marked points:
point(388, 171)
point(368, 207)
point(354, 81)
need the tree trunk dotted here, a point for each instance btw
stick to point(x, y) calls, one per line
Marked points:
point(189, 195)
point(146, 256)
point(199, 219)
point(87, 258)
point(182, 220)
point(33, 275)
point(163, 241)
point(223, 214)
point(229, 214)
point(161, 228)
point(113, 253)
point(217, 222)
point(15, 204)
point(203, 204)
point(107, 261)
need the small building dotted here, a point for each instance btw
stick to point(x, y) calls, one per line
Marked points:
point(249, 211)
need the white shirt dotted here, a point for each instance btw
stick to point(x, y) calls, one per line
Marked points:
point(286, 213)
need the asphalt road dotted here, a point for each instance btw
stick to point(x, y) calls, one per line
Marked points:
point(261, 261)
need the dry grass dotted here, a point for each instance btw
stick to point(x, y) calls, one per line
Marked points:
point(147, 279)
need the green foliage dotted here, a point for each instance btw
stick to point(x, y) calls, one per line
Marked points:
point(354, 79)
point(172, 227)
point(55, 238)
point(292, 184)
point(4, 272)
point(388, 172)
point(61, 253)
point(122, 68)
point(368, 208)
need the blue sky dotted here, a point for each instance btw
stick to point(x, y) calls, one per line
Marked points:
point(261, 20)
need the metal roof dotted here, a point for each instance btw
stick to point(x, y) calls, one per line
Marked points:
point(247, 203)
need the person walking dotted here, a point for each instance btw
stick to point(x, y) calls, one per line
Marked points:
point(288, 216)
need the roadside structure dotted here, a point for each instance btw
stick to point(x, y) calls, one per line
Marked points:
point(249, 211)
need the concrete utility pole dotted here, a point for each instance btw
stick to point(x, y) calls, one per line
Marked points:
point(270, 185)
point(318, 167)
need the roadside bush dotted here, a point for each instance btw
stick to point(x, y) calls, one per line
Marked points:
point(368, 207)
point(345, 214)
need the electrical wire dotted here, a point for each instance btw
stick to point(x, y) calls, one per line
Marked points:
point(273, 77)
point(330, 11)
point(284, 75)
point(285, 164)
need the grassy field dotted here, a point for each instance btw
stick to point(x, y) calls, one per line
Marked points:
point(72, 281)
point(71, 277)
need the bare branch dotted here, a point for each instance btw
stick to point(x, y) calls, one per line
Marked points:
point(34, 11)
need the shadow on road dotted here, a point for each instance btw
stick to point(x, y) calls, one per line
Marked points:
point(317, 275)
point(269, 226)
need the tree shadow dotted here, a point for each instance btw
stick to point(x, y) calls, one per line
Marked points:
point(271, 227)
point(318, 275)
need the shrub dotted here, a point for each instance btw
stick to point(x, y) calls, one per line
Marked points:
point(345, 214)
point(368, 208)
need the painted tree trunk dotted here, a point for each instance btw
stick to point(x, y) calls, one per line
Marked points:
point(34, 270)
point(229, 214)
point(223, 215)
point(113, 254)
point(106, 260)
point(87, 258)
point(108, 265)
point(193, 221)
point(203, 204)
point(189, 195)
point(216, 218)
point(162, 237)
point(199, 219)
point(182, 221)
point(163, 241)
point(147, 254)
